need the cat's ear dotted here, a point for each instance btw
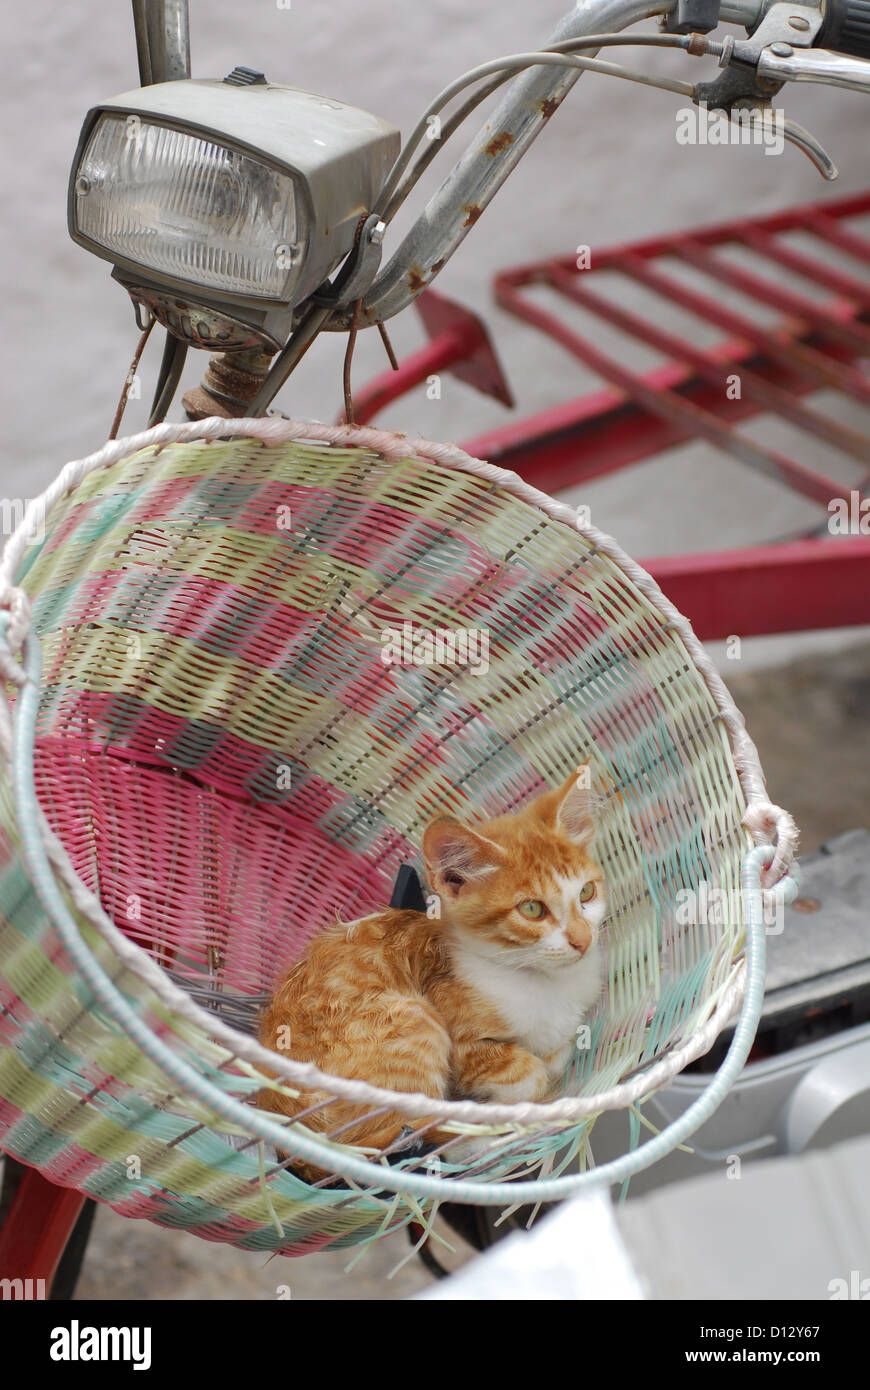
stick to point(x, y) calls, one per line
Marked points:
point(574, 807)
point(456, 855)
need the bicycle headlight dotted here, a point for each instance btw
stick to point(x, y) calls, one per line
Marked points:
point(222, 206)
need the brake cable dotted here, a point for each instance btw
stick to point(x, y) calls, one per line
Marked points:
point(559, 55)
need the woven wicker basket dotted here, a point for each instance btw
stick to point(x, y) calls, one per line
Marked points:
point(209, 758)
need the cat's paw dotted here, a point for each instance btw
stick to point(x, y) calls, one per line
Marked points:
point(557, 1062)
point(476, 1148)
point(534, 1085)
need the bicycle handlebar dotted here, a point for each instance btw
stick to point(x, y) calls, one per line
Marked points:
point(493, 154)
point(535, 94)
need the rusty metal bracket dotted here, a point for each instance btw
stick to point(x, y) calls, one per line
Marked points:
point(459, 343)
point(350, 284)
point(359, 270)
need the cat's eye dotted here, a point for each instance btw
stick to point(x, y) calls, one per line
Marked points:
point(587, 892)
point(533, 909)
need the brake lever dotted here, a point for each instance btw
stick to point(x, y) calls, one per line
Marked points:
point(804, 140)
point(756, 69)
point(747, 96)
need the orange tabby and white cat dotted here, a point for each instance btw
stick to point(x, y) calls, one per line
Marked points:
point(483, 1003)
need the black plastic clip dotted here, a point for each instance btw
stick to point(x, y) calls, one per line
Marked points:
point(408, 891)
point(693, 17)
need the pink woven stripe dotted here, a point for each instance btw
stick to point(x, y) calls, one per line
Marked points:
point(190, 499)
point(235, 765)
point(276, 633)
point(377, 538)
point(231, 1231)
point(156, 500)
point(65, 526)
point(84, 727)
point(195, 876)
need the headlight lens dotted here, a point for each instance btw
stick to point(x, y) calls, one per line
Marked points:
point(189, 208)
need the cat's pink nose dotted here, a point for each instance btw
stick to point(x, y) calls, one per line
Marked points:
point(580, 938)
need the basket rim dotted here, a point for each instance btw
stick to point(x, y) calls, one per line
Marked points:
point(761, 816)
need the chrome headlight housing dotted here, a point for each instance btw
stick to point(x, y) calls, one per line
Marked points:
point(223, 206)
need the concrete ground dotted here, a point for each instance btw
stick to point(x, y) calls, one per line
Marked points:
point(810, 721)
point(134, 1260)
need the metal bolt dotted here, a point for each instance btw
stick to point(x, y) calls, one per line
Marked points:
point(377, 233)
point(782, 50)
point(286, 255)
point(727, 51)
point(797, 21)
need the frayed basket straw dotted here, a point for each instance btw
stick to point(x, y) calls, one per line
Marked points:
point(206, 758)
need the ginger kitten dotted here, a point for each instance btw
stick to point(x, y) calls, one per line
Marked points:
point(483, 1003)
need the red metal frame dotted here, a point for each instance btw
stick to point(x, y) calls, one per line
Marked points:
point(795, 586)
point(36, 1230)
point(815, 345)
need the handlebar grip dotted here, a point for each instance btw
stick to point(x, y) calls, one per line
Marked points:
point(846, 28)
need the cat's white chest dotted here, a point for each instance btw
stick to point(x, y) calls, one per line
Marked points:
point(542, 1012)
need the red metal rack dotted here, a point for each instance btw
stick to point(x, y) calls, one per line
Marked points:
point(817, 341)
